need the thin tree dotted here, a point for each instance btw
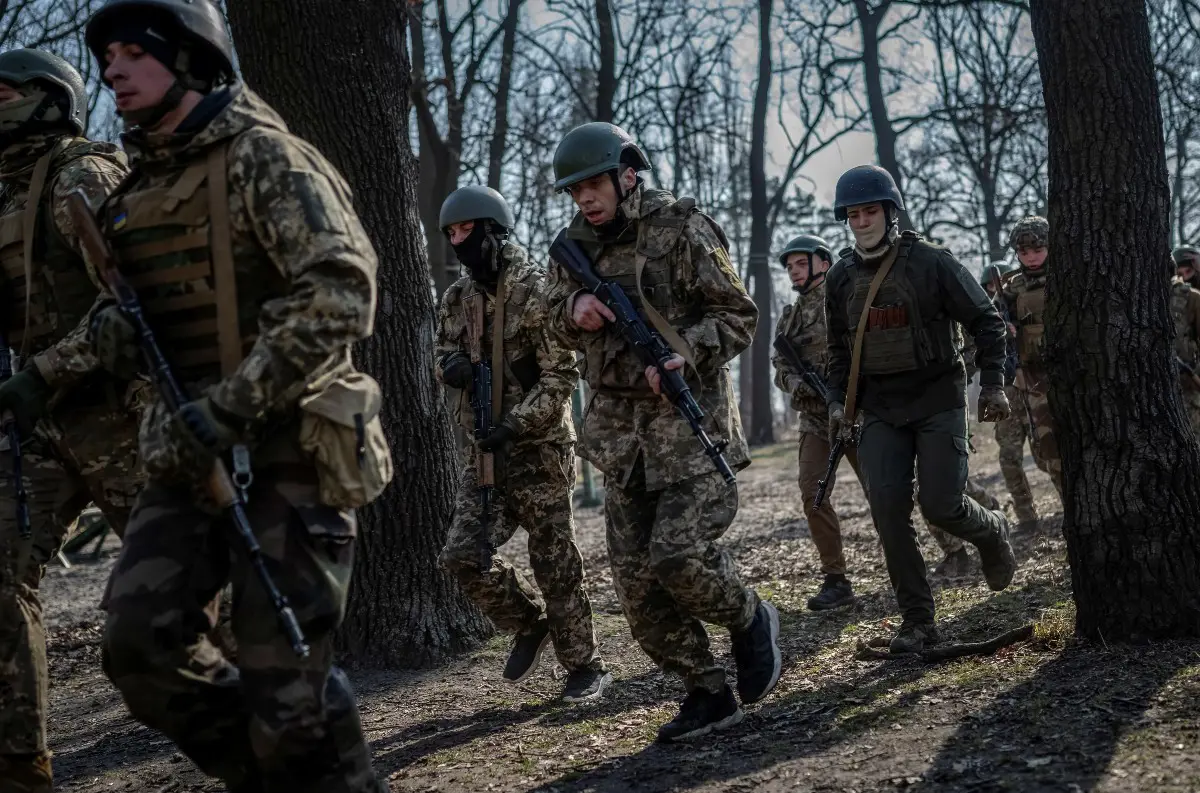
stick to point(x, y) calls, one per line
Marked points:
point(340, 76)
point(1131, 463)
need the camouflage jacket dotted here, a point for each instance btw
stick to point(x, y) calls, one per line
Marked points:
point(803, 323)
point(688, 278)
point(539, 374)
point(305, 269)
point(59, 266)
point(1185, 314)
point(1025, 297)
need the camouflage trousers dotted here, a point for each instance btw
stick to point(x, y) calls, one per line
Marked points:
point(542, 479)
point(56, 494)
point(275, 722)
point(670, 574)
point(1011, 435)
point(1044, 445)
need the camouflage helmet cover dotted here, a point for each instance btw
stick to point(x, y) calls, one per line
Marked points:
point(1030, 232)
point(805, 243)
point(592, 149)
point(20, 66)
point(476, 202)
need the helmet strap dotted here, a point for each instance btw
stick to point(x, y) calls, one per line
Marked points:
point(150, 117)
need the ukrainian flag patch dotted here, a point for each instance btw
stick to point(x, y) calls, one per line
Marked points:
point(119, 222)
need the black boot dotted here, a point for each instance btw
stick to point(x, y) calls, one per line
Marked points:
point(835, 593)
point(701, 713)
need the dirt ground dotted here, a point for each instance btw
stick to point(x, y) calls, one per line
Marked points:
point(1052, 714)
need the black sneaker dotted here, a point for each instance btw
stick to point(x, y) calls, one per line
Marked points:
point(584, 685)
point(997, 558)
point(756, 652)
point(913, 637)
point(955, 564)
point(835, 593)
point(526, 652)
point(701, 713)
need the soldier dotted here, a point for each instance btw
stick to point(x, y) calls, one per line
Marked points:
point(665, 505)
point(532, 440)
point(1187, 265)
point(79, 439)
point(891, 305)
point(1185, 313)
point(1025, 298)
point(225, 202)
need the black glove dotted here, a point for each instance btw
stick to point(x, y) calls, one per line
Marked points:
point(993, 404)
point(24, 395)
point(500, 442)
point(457, 371)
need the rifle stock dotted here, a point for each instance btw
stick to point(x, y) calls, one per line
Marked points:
point(220, 484)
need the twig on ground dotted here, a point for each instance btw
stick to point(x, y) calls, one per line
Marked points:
point(875, 649)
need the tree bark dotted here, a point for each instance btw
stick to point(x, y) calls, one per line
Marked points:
point(503, 90)
point(340, 76)
point(881, 122)
point(762, 419)
point(606, 76)
point(1131, 464)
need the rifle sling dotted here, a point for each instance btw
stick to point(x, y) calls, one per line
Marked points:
point(669, 334)
point(498, 351)
point(229, 337)
point(29, 228)
point(856, 356)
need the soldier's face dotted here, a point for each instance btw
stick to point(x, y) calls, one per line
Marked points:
point(1032, 257)
point(138, 80)
point(597, 197)
point(1185, 271)
point(868, 222)
point(801, 265)
point(9, 94)
point(458, 232)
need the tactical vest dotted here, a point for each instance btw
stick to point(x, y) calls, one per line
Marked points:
point(175, 248)
point(60, 292)
point(1030, 307)
point(1185, 345)
point(916, 343)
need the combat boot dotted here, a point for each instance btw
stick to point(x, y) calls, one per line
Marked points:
point(26, 773)
point(1027, 518)
point(701, 713)
point(835, 593)
point(526, 652)
point(955, 564)
point(913, 637)
point(756, 652)
point(997, 558)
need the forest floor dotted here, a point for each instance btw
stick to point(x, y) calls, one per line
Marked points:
point(1051, 714)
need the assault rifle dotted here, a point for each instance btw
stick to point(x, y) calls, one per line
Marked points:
point(783, 345)
point(481, 406)
point(220, 485)
point(648, 344)
point(1013, 358)
point(8, 426)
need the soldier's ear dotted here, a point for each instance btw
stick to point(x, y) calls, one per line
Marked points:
point(628, 179)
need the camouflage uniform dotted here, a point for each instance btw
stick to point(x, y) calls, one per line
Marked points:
point(1185, 312)
point(538, 477)
point(1025, 294)
point(305, 292)
point(665, 505)
point(86, 449)
point(1011, 434)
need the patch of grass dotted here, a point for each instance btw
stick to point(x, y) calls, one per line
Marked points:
point(1055, 626)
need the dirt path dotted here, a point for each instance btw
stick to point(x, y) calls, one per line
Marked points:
point(1049, 715)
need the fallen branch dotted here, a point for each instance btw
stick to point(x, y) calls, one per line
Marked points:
point(876, 649)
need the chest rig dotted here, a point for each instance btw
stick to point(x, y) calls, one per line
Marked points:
point(48, 291)
point(1030, 308)
point(898, 337)
point(175, 244)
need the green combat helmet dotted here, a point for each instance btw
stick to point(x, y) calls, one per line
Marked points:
point(205, 55)
point(1186, 256)
point(1031, 232)
point(62, 102)
point(595, 148)
point(812, 245)
point(476, 202)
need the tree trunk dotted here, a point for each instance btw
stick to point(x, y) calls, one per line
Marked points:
point(762, 419)
point(881, 122)
point(503, 89)
point(1132, 467)
point(606, 77)
point(340, 76)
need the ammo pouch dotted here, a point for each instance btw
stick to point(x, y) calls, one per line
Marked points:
point(1031, 342)
point(340, 428)
point(889, 351)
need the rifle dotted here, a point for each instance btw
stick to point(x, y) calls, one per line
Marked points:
point(783, 345)
point(1013, 358)
point(648, 345)
point(8, 426)
point(481, 406)
point(221, 487)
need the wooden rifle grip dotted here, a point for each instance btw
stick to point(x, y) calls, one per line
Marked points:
point(486, 463)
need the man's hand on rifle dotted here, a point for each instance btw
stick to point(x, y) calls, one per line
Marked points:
point(838, 426)
point(589, 313)
point(181, 446)
point(993, 404)
point(115, 342)
point(654, 377)
point(24, 395)
point(500, 444)
point(457, 371)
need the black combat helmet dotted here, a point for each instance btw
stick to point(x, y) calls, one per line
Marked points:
point(866, 184)
point(205, 56)
point(18, 67)
point(595, 148)
point(476, 202)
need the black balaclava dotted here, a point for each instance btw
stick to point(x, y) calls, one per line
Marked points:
point(481, 251)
